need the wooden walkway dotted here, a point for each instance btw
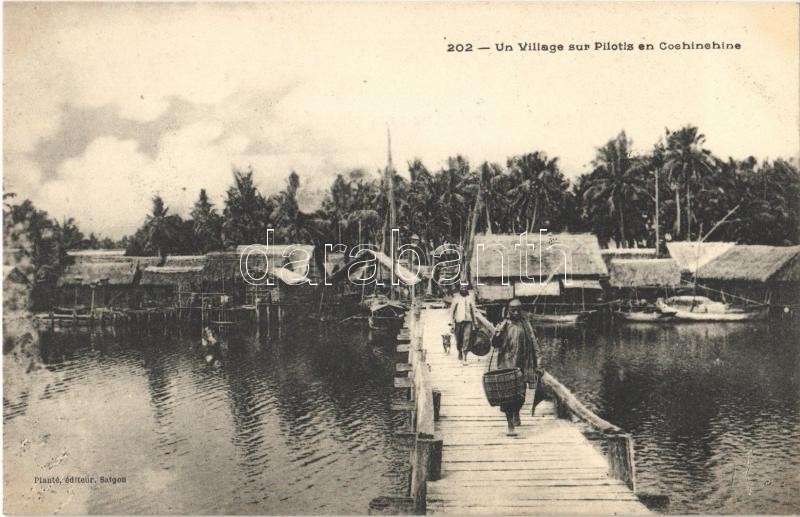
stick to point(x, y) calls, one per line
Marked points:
point(549, 468)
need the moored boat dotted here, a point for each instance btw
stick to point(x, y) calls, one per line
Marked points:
point(701, 308)
point(644, 315)
point(643, 312)
point(564, 318)
point(385, 314)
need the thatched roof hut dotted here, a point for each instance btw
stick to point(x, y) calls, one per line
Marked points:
point(694, 255)
point(644, 273)
point(751, 263)
point(582, 251)
point(88, 273)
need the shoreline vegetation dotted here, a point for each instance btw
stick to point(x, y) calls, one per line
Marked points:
point(616, 200)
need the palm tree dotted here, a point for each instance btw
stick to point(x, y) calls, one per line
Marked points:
point(159, 229)
point(69, 234)
point(450, 201)
point(247, 214)
point(538, 187)
point(206, 224)
point(686, 163)
point(616, 180)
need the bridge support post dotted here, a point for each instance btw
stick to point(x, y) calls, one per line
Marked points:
point(620, 458)
point(421, 457)
point(437, 404)
point(435, 447)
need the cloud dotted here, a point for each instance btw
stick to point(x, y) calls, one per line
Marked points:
point(145, 98)
point(22, 175)
point(106, 189)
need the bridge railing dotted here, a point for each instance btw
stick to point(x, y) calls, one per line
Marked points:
point(620, 457)
point(422, 407)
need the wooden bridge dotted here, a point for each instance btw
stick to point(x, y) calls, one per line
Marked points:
point(462, 462)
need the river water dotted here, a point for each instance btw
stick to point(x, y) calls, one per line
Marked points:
point(714, 408)
point(296, 425)
point(303, 424)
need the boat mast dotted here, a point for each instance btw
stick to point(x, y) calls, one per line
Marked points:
point(657, 170)
point(473, 226)
point(388, 182)
point(700, 240)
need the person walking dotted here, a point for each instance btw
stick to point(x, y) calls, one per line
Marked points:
point(462, 316)
point(515, 344)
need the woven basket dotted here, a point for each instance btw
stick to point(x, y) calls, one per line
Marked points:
point(481, 342)
point(503, 386)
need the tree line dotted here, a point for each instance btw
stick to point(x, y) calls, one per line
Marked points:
point(615, 200)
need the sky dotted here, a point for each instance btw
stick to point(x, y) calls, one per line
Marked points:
point(106, 105)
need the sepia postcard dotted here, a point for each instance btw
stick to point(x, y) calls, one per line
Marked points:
point(372, 258)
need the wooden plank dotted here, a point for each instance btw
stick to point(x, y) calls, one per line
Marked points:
point(403, 382)
point(570, 507)
point(514, 458)
point(549, 468)
point(454, 484)
point(470, 496)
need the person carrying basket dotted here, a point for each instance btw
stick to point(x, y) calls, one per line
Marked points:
point(515, 344)
point(462, 316)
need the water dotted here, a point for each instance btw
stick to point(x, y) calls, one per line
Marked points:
point(300, 425)
point(714, 409)
point(303, 425)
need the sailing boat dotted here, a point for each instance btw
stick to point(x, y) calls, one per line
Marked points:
point(386, 313)
point(701, 308)
point(644, 312)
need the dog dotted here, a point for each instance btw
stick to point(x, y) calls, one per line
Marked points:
point(446, 343)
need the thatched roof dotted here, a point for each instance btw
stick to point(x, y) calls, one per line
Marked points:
point(87, 273)
point(754, 264)
point(298, 257)
point(185, 261)
point(226, 266)
point(171, 276)
point(694, 255)
point(221, 266)
point(406, 276)
point(104, 255)
point(108, 256)
point(626, 253)
point(641, 273)
point(582, 250)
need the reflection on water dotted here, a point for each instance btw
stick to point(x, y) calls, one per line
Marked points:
point(303, 425)
point(714, 408)
point(297, 426)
